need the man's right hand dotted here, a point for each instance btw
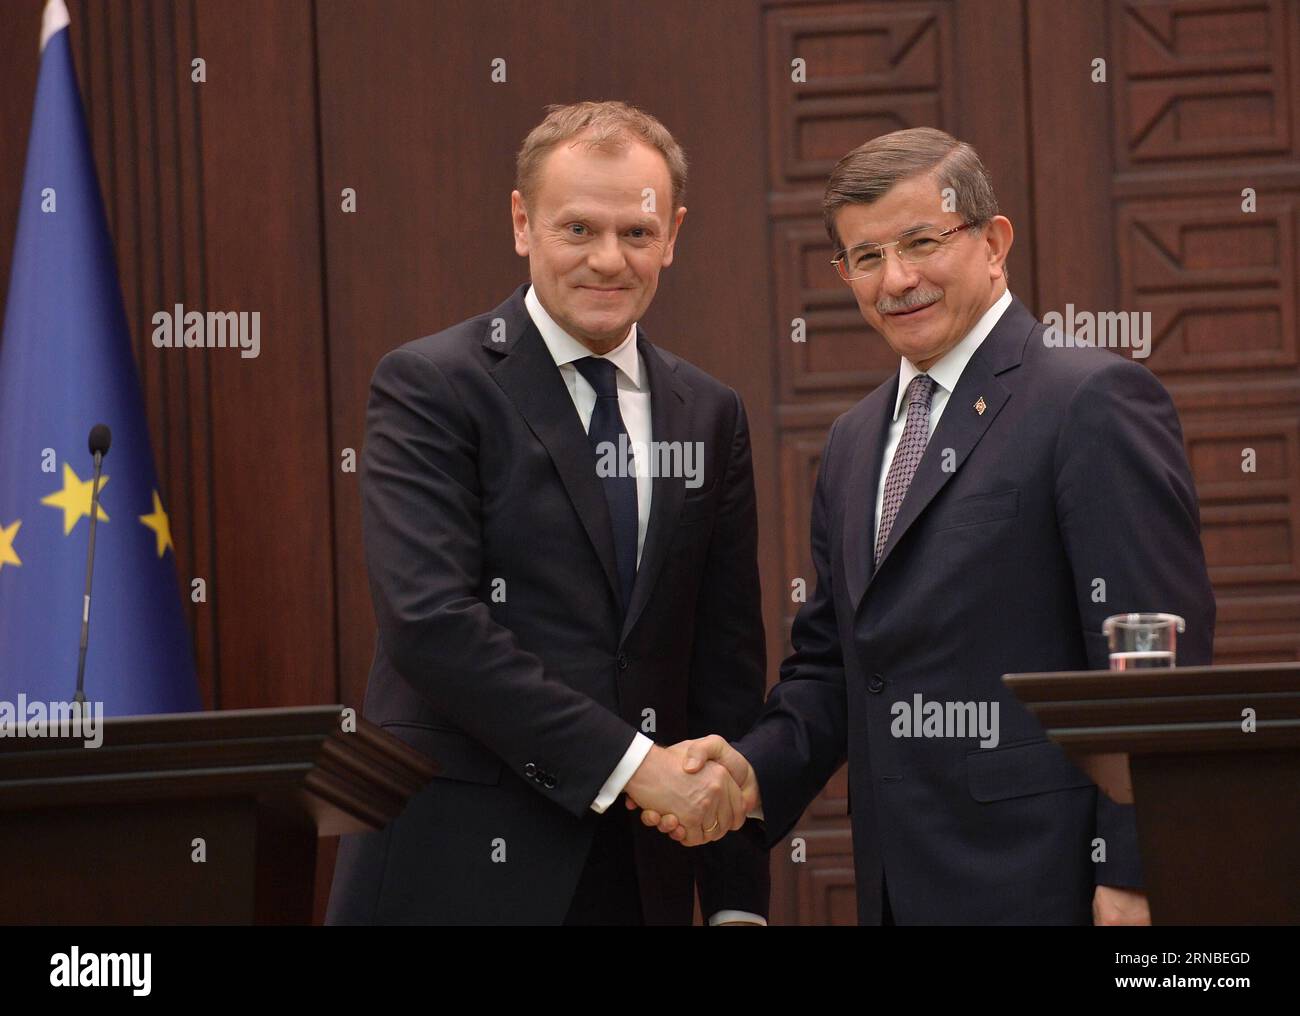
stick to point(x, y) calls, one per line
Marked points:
point(704, 800)
point(699, 755)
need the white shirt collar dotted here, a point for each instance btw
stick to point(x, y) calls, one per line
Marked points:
point(565, 348)
point(947, 370)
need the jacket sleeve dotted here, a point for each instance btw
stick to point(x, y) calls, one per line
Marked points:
point(801, 738)
point(727, 679)
point(421, 517)
point(1127, 509)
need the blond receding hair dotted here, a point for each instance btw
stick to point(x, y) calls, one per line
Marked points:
point(604, 126)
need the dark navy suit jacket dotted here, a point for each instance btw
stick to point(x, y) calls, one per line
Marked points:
point(1075, 472)
point(503, 651)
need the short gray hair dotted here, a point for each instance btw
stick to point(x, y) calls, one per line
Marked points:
point(871, 169)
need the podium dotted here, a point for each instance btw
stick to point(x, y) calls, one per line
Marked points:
point(1210, 756)
point(191, 818)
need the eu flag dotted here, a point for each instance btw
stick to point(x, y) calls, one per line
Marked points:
point(65, 365)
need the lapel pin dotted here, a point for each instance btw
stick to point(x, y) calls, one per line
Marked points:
point(980, 405)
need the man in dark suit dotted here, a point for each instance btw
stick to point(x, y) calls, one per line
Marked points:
point(559, 523)
point(978, 514)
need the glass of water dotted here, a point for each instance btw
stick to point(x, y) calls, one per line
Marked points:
point(1142, 641)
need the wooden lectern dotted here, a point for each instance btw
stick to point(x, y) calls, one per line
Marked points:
point(191, 818)
point(1218, 803)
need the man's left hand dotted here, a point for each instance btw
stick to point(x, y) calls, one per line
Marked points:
point(1113, 905)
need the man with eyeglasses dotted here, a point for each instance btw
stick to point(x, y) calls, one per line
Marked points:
point(978, 514)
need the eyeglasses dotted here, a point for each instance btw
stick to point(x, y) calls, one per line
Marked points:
point(860, 261)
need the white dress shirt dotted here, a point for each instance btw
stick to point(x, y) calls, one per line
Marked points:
point(634, 406)
point(633, 395)
point(946, 371)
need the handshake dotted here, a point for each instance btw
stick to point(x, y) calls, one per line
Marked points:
point(696, 791)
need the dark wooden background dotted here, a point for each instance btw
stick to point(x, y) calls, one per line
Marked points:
point(226, 195)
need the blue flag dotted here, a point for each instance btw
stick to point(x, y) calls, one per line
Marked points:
point(66, 365)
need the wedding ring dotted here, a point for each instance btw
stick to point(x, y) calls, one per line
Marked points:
point(714, 826)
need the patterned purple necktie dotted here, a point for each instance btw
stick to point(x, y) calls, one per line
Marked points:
point(907, 456)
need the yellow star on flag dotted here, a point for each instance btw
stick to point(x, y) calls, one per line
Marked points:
point(7, 554)
point(74, 498)
point(157, 521)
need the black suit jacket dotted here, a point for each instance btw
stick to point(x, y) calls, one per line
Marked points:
point(1074, 472)
point(502, 650)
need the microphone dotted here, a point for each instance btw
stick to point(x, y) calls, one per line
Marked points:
point(100, 438)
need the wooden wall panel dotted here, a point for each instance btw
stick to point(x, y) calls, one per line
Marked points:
point(18, 64)
point(273, 575)
point(1198, 106)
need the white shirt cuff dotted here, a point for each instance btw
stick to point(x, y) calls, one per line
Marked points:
point(736, 915)
point(631, 762)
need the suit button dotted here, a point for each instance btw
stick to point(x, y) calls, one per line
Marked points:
point(530, 770)
point(876, 685)
point(622, 661)
point(550, 783)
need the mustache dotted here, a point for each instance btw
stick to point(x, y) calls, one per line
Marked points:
point(910, 301)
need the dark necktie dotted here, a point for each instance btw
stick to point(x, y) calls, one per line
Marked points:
point(907, 456)
point(620, 491)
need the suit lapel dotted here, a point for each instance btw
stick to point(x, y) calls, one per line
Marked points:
point(961, 427)
point(531, 380)
point(671, 401)
point(864, 474)
point(960, 430)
